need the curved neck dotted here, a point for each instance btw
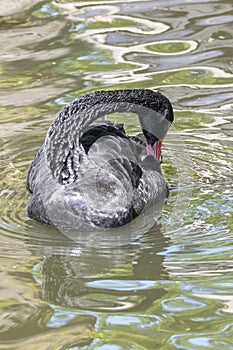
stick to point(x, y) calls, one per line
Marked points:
point(62, 140)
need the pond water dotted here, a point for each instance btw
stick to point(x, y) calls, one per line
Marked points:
point(171, 287)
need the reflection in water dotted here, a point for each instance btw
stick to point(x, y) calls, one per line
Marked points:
point(68, 277)
point(155, 290)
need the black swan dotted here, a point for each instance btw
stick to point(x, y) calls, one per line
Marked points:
point(89, 173)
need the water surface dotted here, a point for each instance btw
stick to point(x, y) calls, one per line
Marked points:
point(171, 287)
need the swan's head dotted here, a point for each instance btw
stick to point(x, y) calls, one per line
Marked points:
point(155, 121)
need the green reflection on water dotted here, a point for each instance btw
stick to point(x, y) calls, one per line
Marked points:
point(103, 22)
point(172, 47)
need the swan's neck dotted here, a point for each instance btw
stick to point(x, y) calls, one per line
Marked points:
point(63, 150)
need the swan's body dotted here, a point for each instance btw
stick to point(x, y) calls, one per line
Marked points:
point(94, 175)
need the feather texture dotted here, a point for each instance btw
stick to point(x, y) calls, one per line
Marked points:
point(88, 175)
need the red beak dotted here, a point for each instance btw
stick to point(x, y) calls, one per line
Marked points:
point(154, 150)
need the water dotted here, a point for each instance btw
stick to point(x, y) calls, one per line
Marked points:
point(169, 288)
